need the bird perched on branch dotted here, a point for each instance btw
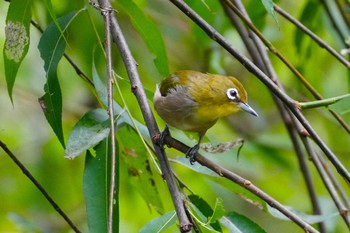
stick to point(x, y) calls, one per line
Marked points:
point(194, 101)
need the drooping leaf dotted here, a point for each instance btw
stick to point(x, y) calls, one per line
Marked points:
point(237, 223)
point(160, 224)
point(17, 39)
point(96, 188)
point(139, 170)
point(53, 16)
point(149, 33)
point(91, 129)
point(51, 47)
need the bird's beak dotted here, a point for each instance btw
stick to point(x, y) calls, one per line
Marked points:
point(248, 109)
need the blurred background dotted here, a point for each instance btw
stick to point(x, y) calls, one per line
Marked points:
point(267, 158)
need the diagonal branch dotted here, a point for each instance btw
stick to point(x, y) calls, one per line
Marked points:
point(275, 51)
point(290, 103)
point(137, 88)
point(39, 186)
point(312, 35)
point(242, 182)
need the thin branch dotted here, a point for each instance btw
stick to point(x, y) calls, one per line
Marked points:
point(343, 13)
point(336, 183)
point(275, 51)
point(305, 171)
point(242, 182)
point(290, 103)
point(312, 35)
point(137, 88)
point(107, 12)
point(263, 62)
point(328, 183)
point(333, 21)
point(39, 186)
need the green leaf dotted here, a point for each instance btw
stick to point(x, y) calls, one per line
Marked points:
point(91, 129)
point(51, 47)
point(140, 174)
point(205, 211)
point(150, 34)
point(53, 16)
point(268, 4)
point(17, 39)
point(219, 211)
point(237, 223)
point(160, 224)
point(96, 188)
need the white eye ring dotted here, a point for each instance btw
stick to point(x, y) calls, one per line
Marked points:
point(232, 94)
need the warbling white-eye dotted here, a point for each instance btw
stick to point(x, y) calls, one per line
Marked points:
point(193, 101)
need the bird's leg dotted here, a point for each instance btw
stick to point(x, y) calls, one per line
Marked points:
point(162, 136)
point(191, 153)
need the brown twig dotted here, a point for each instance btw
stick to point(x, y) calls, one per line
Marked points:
point(290, 103)
point(334, 22)
point(275, 51)
point(312, 35)
point(107, 11)
point(137, 88)
point(27, 173)
point(328, 183)
point(262, 60)
point(171, 142)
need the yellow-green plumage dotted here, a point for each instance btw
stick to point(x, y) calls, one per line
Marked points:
point(194, 101)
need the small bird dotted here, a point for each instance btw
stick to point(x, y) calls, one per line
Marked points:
point(194, 101)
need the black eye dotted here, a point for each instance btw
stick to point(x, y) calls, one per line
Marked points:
point(232, 94)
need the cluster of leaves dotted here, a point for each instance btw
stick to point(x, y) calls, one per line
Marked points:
point(136, 163)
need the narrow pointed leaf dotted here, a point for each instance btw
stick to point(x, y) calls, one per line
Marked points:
point(96, 188)
point(150, 34)
point(17, 39)
point(51, 47)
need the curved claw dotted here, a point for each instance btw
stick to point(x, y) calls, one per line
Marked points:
point(191, 153)
point(162, 136)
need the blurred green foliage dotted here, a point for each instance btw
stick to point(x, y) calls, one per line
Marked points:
point(267, 158)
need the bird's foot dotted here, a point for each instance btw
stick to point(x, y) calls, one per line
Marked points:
point(162, 136)
point(191, 153)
